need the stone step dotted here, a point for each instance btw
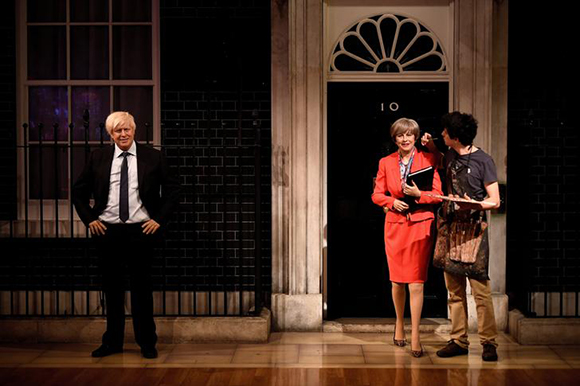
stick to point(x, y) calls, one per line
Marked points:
point(544, 331)
point(380, 325)
point(231, 329)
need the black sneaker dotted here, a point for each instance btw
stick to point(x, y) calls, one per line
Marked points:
point(489, 353)
point(452, 350)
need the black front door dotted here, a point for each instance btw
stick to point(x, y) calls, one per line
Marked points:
point(359, 118)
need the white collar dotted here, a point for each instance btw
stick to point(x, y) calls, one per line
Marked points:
point(132, 150)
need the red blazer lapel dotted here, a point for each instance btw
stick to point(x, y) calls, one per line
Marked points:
point(418, 162)
point(395, 173)
point(394, 177)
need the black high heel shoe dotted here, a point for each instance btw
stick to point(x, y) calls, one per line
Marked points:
point(417, 354)
point(399, 342)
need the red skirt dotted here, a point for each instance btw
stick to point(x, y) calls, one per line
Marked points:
point(409, 247)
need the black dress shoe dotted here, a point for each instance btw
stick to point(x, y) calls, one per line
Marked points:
point(489, 353)
point(106, 350)
point(452, 350)
point(149, 352)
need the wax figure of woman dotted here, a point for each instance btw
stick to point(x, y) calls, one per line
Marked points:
point(409, 225)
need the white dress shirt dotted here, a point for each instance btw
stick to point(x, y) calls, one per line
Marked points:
point(137, 212)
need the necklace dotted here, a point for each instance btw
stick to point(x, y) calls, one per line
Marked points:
point(458, 164)
point(469, 158)
point(405, 168)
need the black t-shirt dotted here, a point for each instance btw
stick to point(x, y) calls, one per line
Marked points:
point(481, 171)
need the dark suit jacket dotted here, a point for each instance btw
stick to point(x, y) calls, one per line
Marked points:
point(158, 189)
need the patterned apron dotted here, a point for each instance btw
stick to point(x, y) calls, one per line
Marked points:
point(462, 246)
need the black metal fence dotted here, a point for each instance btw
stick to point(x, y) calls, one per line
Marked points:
point(210, 261)
point(553, 304)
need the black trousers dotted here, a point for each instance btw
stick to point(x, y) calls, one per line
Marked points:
point(124, 248)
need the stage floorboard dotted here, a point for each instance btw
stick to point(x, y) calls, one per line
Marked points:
point(291, 359)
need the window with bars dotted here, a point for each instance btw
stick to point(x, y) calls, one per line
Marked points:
point(79, 61)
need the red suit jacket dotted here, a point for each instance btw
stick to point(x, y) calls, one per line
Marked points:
point(388, 187)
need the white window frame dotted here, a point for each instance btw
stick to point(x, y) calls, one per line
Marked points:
point(32, 211)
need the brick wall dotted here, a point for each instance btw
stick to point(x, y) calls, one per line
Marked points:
point(543, 156)
point(215, 109)
point(7, 112)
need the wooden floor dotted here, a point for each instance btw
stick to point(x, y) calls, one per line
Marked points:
point(291, 359)
point(286, 376)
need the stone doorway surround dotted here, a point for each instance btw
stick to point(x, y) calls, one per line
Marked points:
point(479, 81)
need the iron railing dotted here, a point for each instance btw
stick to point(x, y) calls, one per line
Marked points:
point(210, 262)
point(551, 304)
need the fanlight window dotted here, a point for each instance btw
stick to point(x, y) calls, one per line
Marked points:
point(388, 44)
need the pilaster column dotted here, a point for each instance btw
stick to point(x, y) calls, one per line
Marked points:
point(480, 88)
point(297, 177)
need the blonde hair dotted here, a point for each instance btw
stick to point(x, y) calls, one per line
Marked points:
point(119, 118)
point(403, 125)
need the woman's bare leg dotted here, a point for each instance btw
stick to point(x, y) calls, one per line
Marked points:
point(399, 296)
point(416, 298)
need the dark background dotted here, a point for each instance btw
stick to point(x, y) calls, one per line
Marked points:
point(543, 152)
point(230, 44)
point(215, 93)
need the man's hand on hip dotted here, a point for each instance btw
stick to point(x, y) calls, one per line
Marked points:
point(97, 228)
point(150, 227)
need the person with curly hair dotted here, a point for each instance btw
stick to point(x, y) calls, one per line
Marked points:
point(462, 248)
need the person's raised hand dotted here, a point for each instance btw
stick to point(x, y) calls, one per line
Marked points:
point(426, 138)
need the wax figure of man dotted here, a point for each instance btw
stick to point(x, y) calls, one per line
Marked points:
point(134, 194)
point(462, 248)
